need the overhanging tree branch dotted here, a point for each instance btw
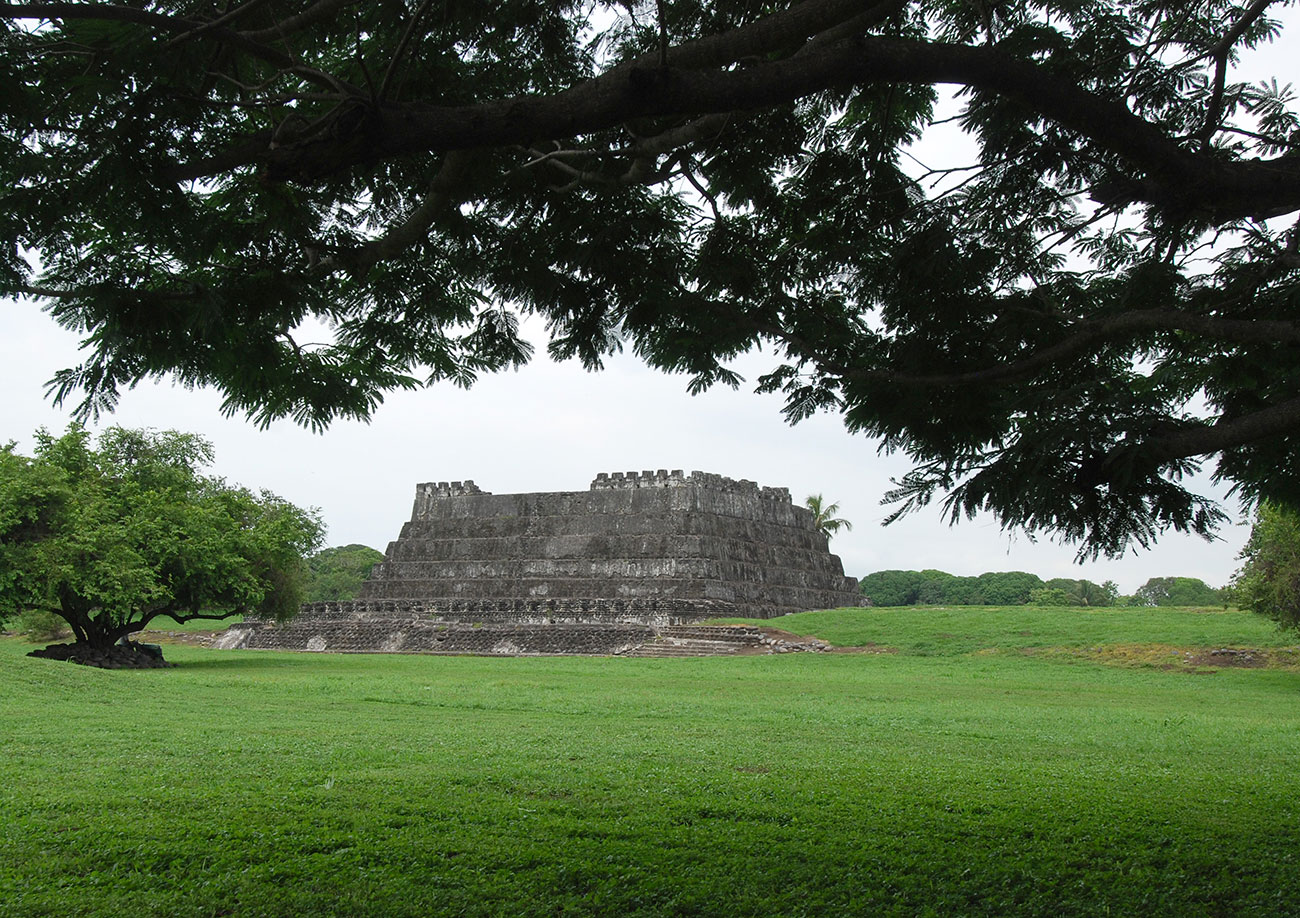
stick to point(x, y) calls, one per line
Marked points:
point(953, 321)
point(1226, 433)
point(1175, 177)
point(1219, 54)
point(318, 12)
point(440, 197)
point(1084, 336)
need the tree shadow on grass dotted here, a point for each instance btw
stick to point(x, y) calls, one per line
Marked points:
point(230, 661)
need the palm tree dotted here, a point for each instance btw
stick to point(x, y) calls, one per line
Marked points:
point(824, 517)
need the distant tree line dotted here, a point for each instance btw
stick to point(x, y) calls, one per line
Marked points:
point(1017, 588)
point(337, 573)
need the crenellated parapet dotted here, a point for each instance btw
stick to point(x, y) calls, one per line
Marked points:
point(430, 491)
point(450, 488)
point(607, 481)
point(742, 486)
point(662, 478)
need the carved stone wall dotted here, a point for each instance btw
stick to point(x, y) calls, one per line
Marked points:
point(472, 570)
point(633, 535)
point(359, 635)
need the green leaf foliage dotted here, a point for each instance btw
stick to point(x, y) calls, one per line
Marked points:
point(1009, 588)
point(110, 536)
point(824, 517)
point(891, 588)
point(307, 205)
point(1177, 591)
point(1085, 593)
point(1012, 588)
point(1269, 580)
point(337, 573)
point(934, 588)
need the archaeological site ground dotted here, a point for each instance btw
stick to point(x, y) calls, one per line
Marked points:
point(978, 761)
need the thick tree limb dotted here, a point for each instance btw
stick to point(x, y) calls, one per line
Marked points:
point(772, 33)
point(1233, 35)
point(439, 199)
point(1219, 53)
point(1226, 433)
point(318, 12)
point(1176, 178)
point(693, 132)
point(181, 618)
point(241, 10)
point(402, 45)
point(1086, 335)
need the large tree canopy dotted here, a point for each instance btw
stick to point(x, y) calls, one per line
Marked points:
point(306, 203)
point(109, 539)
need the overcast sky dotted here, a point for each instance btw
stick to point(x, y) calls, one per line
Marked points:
point(552, 427)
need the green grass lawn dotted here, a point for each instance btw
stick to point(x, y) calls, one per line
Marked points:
point(946, 630)
point(958, 776)
point(167, 623)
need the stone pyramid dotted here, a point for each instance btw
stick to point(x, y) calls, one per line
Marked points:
point(634, 553)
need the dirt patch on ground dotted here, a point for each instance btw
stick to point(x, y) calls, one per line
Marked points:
point(1193, 660)
point(777, 641)
point(777, 634)
point(865, 648)
point(1228, 656)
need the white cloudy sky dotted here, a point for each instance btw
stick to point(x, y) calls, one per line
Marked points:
point(552, 427)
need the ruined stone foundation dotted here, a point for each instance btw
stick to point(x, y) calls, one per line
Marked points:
point(596, 571)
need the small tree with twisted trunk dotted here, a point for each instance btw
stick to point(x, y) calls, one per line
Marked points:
point(108, 539)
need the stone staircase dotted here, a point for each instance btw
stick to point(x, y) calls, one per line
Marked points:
point(699, 641)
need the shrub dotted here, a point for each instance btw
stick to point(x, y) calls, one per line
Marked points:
point(40, 625)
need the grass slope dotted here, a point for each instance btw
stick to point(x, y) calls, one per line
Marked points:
point(932, 781)
point(946, 630)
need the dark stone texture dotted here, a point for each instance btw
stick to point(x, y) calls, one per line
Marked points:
point(475, 572)
point(415, 636)
point(631, 535)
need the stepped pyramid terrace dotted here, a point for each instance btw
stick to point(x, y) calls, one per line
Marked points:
point(606, 570)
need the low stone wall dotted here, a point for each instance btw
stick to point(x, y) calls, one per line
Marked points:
point(377, 636)
point(656, 612)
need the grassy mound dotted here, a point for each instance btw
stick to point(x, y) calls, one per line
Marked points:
point(960, 630)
